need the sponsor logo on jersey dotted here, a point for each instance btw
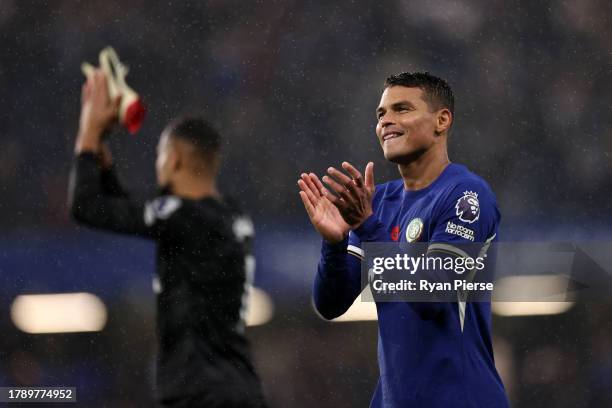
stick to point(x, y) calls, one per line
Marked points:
point(414, 230)
point(459, 230)
point(468, 208)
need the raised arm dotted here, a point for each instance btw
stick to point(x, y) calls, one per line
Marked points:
point(110, 181)
point(96, 198)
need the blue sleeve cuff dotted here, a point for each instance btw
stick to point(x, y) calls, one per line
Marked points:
point(329, 248)
point(372, 230)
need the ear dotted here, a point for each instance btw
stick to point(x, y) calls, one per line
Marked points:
point(174, 157)
point(444, 120)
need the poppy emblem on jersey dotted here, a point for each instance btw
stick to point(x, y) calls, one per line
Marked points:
point(468, 208)
point(414, 230)
point(395, 233)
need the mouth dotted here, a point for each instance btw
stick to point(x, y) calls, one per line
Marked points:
point(391, 135)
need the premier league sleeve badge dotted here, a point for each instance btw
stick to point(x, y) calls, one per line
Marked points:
point(468, 208)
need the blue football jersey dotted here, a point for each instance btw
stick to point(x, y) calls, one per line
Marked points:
point(445, 361)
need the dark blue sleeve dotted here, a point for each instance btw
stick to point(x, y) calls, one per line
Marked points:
point(338, 280)
point(372, 230)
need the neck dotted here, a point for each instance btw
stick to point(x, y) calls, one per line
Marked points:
point(195, 188)
point(423, 170)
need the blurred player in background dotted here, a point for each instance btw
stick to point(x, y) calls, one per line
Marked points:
point(203, 258)
point(430, 354)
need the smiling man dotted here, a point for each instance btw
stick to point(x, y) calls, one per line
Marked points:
point(434, 354)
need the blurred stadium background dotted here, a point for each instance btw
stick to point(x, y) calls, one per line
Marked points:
point(293, 85)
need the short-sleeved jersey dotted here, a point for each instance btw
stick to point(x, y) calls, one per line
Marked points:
point(446, 361)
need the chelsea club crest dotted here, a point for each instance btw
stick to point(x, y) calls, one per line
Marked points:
point(414, 230)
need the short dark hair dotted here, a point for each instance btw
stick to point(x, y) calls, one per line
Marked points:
point(436, 91)
point(196, 131)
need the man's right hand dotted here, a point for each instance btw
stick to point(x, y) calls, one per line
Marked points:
point(324, 216)
point(98, 112)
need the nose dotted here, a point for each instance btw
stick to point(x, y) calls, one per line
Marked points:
point(386, 120)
